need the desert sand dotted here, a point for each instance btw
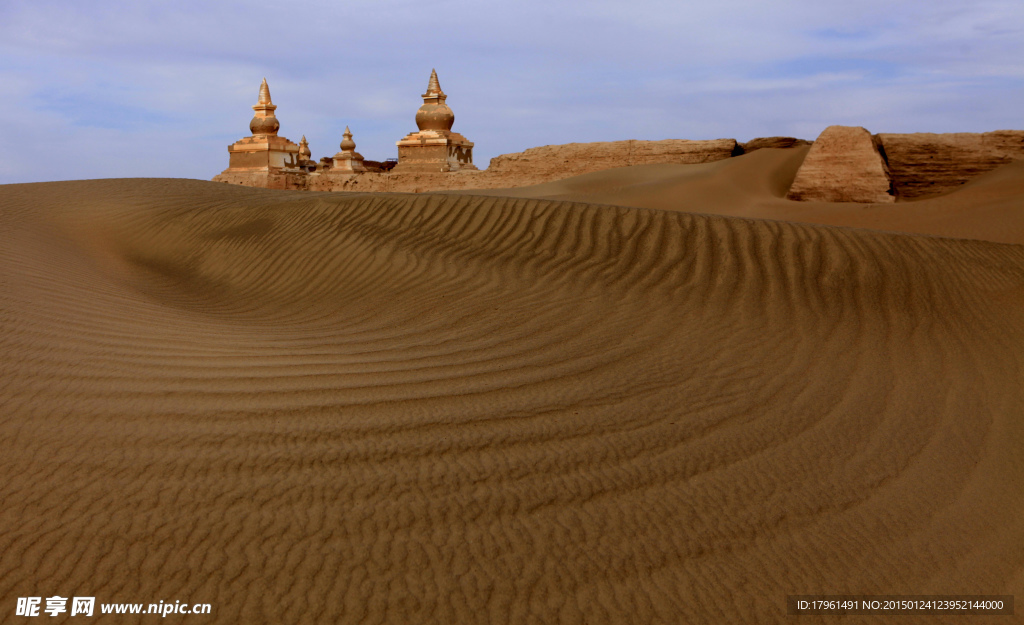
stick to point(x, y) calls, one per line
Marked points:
point(657, 394)
point(990, 207)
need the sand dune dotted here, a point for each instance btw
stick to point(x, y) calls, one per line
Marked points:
point(990, 207)
point(326, 408)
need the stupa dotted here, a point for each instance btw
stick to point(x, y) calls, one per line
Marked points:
point(435, 148)
point(348, 160)
point(264, 159)
point(305, 154)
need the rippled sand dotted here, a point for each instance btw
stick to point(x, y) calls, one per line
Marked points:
point(989, 208)
point(330, 408)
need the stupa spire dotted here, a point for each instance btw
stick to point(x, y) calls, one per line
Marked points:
point(265, 92)
point(434, 86)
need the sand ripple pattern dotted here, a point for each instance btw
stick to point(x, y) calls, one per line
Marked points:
point(309, 408)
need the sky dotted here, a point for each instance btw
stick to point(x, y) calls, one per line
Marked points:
point(150, 88)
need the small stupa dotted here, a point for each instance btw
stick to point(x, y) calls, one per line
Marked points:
point(348, 160)
point(435, 148)
point(263, 159)
point(305, 154)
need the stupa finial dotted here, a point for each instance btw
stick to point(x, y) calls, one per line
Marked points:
point(265, 93)
point(434, 86)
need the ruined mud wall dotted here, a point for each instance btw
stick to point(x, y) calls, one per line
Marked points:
point(772, 142)
point(925, 163)
point(263, 179)
point(844, 164)
point(553, 162)
point(536, 165)
point(408, 182)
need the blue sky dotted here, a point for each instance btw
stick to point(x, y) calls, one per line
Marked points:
point(104, 89)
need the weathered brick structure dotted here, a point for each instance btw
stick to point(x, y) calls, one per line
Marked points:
point(264, 159)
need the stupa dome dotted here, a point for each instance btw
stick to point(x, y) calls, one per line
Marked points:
point(434, 114)
point(347, 144)
point(264, 126)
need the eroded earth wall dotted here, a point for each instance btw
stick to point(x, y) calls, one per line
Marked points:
point(924, 164)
